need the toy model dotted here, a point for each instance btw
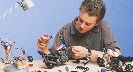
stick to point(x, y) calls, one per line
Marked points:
point(87, 58)
point(126, 61)
point(80, 69)
point(57, 57)
point(22, 53)
point(115, 64)
point(84, 69)
point(107, 50)
point(116, 60)
point(7, 46)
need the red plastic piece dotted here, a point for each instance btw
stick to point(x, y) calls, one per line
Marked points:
point(59, 70)
point(30, 65)
point(45, 35)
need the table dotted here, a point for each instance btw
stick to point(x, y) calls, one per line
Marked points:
point(39, 65)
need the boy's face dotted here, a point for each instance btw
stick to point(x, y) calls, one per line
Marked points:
point(85, 22)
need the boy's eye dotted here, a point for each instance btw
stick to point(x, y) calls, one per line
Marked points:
point(80, 20)
point(88, 24)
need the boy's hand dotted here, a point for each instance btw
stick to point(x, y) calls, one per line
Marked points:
point(79, 52)
point(42, 43)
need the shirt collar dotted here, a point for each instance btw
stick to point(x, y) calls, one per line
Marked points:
point(75, 31)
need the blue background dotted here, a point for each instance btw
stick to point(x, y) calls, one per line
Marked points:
point(48, 16)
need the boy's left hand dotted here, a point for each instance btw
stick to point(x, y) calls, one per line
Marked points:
point(79, 52)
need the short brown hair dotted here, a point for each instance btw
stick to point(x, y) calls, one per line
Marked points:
point(94, 8)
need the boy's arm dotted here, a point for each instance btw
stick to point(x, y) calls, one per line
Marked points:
point(95, 54)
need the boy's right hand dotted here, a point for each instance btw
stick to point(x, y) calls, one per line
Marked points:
point(42, 43)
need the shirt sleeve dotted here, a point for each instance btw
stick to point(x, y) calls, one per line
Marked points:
point(57, 40)
point(108, 36)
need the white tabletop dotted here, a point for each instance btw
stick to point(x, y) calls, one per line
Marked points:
point(39, 65)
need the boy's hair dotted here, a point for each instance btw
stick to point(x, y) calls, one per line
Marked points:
point(94, 8)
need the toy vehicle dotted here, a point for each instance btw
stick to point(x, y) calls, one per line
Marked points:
point(22, 53)
point(116, 60)
point(57, 57)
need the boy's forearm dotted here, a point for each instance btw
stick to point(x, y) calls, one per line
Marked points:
point(95, 54)
point(46, 51)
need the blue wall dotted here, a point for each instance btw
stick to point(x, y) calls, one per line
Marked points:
point(48, 16)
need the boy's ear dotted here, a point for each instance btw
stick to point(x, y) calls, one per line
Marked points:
point(97, 23)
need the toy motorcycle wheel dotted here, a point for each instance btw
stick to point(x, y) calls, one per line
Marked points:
point(49, 65)
point(129, 68)
point(119, 69)
point(30, 58)
point(100, 62)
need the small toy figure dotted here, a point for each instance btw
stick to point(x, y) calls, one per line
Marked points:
point(67, 69)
